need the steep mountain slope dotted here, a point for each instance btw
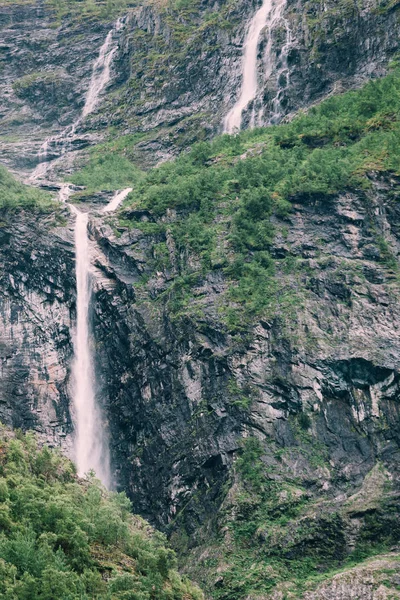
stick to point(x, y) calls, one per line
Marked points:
point(245, 313)
point(177, 68)
point(245, 320)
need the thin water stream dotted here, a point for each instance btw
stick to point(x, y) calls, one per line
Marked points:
point(100, 78)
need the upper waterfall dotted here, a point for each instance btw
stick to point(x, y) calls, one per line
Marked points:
point(101, 72)
point(266, 16)
point(100, 77)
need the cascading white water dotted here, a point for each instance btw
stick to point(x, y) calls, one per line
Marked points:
point(91, 447)
point(101, 74)
point(91, 443)
point(42, 164)
point(117, 199)
point(101, 70)
point(64, 192)
point(266, 16)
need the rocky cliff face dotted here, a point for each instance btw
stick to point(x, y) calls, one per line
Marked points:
point(310, 393)
point(181, 72)
point(176, 389)
point(318, 391)
point(37, 307)
point(177, 72)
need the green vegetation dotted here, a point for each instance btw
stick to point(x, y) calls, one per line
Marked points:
point(275, 534)
point(69, 539)
point(104, 10)
point(16, 196)
point(105, 171)
point(224, 202)
point(23, 84)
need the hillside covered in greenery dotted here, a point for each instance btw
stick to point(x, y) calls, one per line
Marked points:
point(68, 539)
point(226, 201)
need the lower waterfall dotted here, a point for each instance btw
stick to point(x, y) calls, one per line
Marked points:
point(91, 443)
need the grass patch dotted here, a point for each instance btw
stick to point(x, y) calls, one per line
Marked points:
point(17, 196)
point(106, 171)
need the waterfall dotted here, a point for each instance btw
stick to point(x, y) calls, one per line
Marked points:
point(267, 16)
point(91, 447)
point(101, 70)
point(116, 200)
point(91, 443)
point(101, 75)
point(42, 161)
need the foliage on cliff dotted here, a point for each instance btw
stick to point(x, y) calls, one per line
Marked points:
point(225, 202)
point(15, 195)
point(65, 538)
point(275, 535)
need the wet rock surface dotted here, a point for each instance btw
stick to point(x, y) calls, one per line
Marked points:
point(173, 409)
point(181, 395)
point(319, 387)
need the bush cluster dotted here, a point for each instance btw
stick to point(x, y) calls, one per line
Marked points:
point(68, 539)
point(224, 196)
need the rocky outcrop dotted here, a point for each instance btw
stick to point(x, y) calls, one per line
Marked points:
point(182, 394)
point(377, 580)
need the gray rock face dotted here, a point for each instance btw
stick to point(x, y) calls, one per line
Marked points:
point(36, 304)
point(368, 583)
point(46, 69)
point(173, 387)
point(322, 48)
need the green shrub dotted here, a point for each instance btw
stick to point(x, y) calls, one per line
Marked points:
point(106, 172)
point(220, 202)
point(65, 538)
